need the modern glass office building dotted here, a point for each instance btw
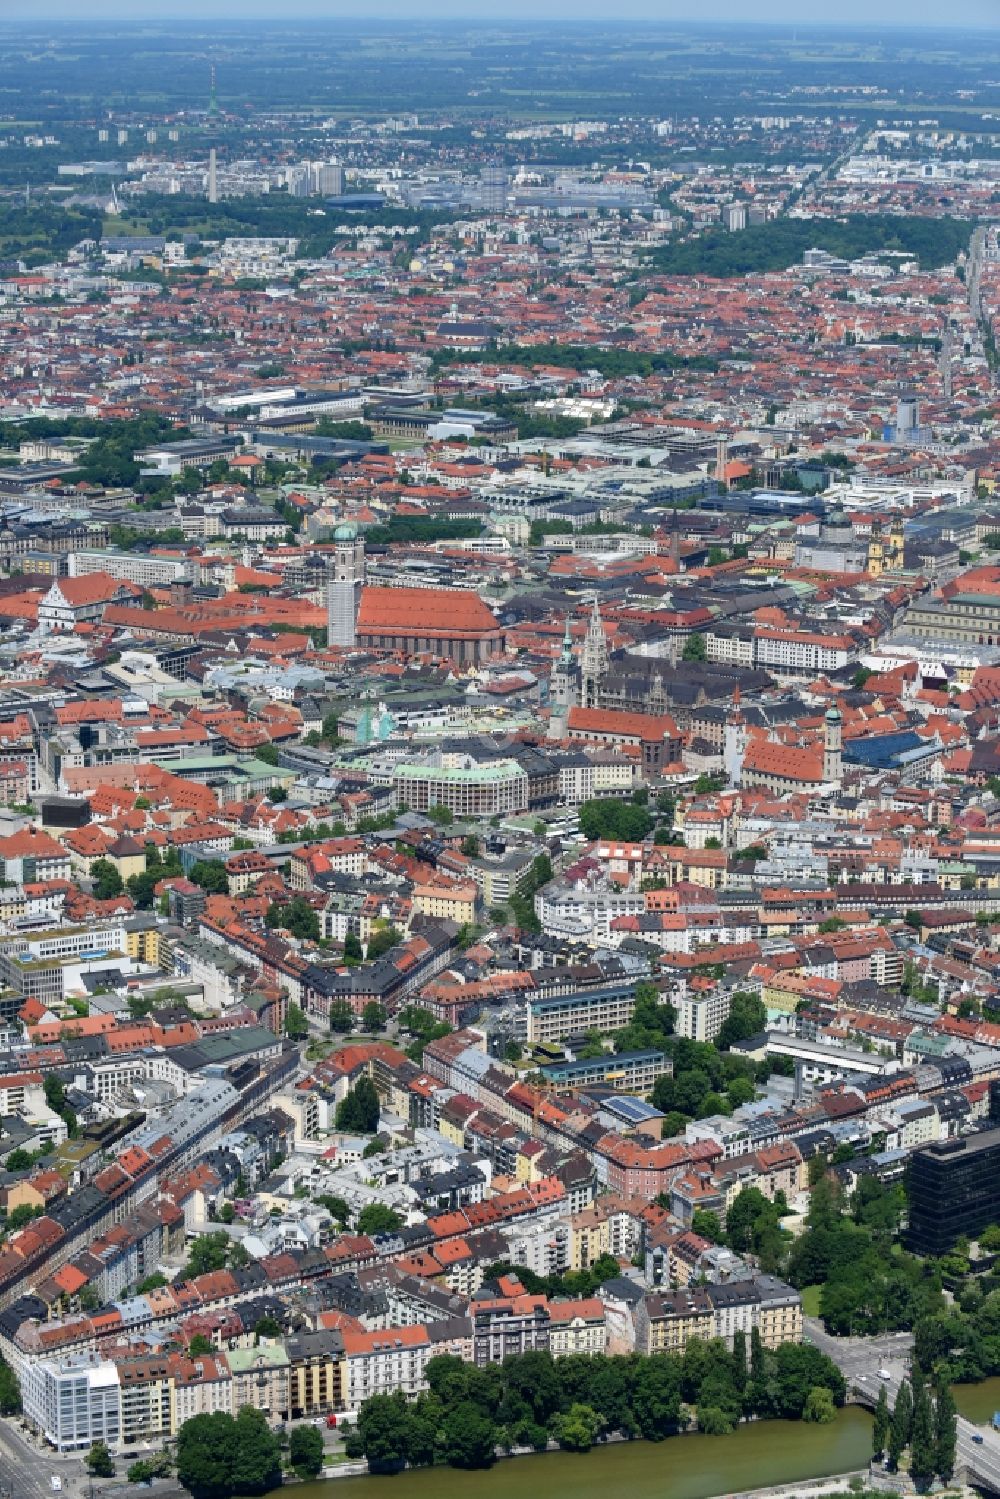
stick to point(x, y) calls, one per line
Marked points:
point(954, 1189)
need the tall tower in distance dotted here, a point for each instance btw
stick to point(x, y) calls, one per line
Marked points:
point(562, 688)
point(493, 187)
point(722, 462)
point(213, 99)
point(344, 581)
point(833, 733)
point(213, 177)
point(735, 741)
point(594, 660)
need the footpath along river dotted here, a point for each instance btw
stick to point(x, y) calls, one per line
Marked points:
point(687, 1467)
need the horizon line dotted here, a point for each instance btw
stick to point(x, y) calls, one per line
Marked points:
point(401, 14)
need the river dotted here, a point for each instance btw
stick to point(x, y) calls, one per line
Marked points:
point(687, 1467)
point(977, 1402)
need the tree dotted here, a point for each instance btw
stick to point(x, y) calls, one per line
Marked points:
point(426, 1414)
point(469, 1437)
point(199, 1346)
point(305, 1451)
point(151, 1283)
point(10, 1391)
point(706, 1223)
point(945, 1433)
point(751, 1213)
point(336, 1207)
point(20, 1217)
point(880, 1430)
point(383, 1430)
point(209, 1252)
point(205, 1455)
point(106, 878)
point(656, 1398)
point(144, 1471)
point(747, 1017)
point(341, 1016)
point(923, 1448)
point(695, 648)
point(98, 1461)
point(470, 846)
point(441, 815)
point(257, 1462)
point(899, 1430)
point(375, 1218)
point(142, 887)
point(268, 753)
point(296, 1024)
point(358, 1113)
point(382, 940)
point(296, 916)
point(211, 875)
point(713, 1421)
point(606, 817)
point(576, 1430)
point(819, 1406)
point(373, 1017)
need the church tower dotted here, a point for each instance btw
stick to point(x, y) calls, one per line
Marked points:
point(675, 539)
point(833, 732)
point(562, 688)
point(734, 742)
point(344, 580)
point(594, 660)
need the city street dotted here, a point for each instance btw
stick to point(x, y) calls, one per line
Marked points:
point(860, 1358)
point(25, 1472)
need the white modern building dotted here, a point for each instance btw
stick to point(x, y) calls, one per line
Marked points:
point(74, 1402)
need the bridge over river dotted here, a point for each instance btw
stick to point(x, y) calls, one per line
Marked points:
point(860, 1359)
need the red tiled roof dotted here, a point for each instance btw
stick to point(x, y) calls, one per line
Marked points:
point(430, 612)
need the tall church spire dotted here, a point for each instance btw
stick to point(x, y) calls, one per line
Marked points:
point(562, 687)
point(594, 660)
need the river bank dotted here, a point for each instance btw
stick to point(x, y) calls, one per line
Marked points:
point(761, 1456)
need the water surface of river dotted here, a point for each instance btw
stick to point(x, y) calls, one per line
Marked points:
point(686, 1467)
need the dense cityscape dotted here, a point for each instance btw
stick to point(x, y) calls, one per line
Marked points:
point(499, 758)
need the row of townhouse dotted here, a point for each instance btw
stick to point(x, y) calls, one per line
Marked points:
point(667, 1321)
point(153, 1152)
point(127, 1399)
point(124, 1396)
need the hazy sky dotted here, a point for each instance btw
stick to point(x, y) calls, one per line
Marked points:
point(906, 13)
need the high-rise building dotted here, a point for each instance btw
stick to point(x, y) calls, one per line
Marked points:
point(345, 579)
point(954, 1190)
point(328, 178)
point(736, 216)
point(493, 188)
point(907, 414)
point(213, 178)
